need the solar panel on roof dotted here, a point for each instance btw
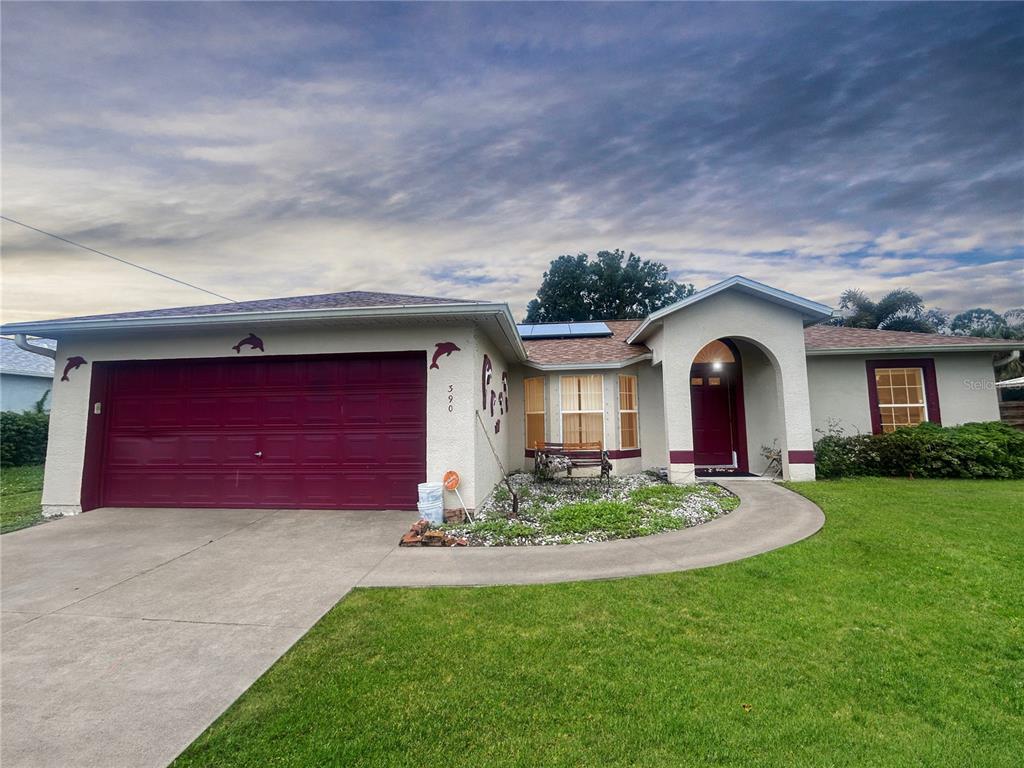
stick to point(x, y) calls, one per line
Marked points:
point(563, 330)
point(589, 329)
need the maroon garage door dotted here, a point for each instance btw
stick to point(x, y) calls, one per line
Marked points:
point(329, 432)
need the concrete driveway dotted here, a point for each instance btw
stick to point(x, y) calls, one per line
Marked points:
point(125, 632)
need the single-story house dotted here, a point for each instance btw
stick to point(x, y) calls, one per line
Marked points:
point(348, 400)
point(25, 377)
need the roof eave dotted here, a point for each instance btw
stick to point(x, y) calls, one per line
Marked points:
point(812, 311)
point(54, 328)
point(614, 365)
point(992, 347)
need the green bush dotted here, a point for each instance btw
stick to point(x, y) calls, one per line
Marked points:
point(985, 450)
point(23, 438)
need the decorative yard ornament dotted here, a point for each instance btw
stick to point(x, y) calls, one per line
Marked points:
point(485, 379)
point(444, 348)
point(451, 483)
point(252, 340)
point(74, 363)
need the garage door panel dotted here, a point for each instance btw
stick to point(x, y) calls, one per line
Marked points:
point(202, 412)
point(241, 411)
point(202, 450)
point(404, 447)
point(128, 412)
point(241, 449)
point(319, 449)
point(401, 407)
point(281, 450)
point(323, 410)
point(361, 409)
point(342, 432)
point(282, 410)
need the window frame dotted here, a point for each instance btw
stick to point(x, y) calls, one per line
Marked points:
point(635, 410)
point(931, 391)
point(527, 413)
point(563, 412)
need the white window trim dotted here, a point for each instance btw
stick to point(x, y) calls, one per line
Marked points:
point(562, 412)
point(924, 391)
point(635, 410)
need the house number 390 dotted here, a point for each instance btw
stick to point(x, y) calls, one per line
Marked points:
point(451, 398)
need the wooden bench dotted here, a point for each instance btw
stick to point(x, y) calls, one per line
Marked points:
point(579, 455)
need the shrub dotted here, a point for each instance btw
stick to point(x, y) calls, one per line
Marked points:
point(984, 450)
point(23, 438)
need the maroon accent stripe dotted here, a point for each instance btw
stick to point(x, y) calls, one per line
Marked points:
point(629, 453)
point(530, 453)
point(801, 457)
point(931, 389)
point(680, 457)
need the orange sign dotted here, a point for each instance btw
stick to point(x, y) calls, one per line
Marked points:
point(451, 480)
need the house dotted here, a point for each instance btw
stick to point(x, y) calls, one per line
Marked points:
point(348, 400)
point(25, 377)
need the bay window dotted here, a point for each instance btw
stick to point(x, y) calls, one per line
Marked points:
point(583, 409)
point(629, 434)
point(534, 401)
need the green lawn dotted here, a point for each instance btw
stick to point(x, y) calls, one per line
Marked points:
point(21, 489)
point(894, 637)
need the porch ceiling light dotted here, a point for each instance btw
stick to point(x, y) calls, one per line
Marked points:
point(717, 365)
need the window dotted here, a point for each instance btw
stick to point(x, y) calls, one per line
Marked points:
point(901, 397)
point(534, 400)
point(629, 435)
point(582, 409)
point(715, 352)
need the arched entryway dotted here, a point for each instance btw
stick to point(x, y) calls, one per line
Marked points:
point(717, 409)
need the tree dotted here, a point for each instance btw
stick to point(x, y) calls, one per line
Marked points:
point(899, 310)
point(611, 286)
point(979, 321)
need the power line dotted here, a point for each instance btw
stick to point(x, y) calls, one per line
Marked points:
point(115, 258)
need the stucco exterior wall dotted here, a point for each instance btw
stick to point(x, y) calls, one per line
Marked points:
point(839, 389)
point(450, 433)
point(21, 393)
point(761, 404)
point(497, 424)
point(653, 443)
point(778, 331)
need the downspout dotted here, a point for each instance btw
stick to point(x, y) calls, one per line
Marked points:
point(22, 343)
point(1015, 355)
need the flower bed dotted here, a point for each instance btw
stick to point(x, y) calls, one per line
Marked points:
point(569, 511)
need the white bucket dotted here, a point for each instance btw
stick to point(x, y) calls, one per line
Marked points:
point(433, 511)
point(430, 493)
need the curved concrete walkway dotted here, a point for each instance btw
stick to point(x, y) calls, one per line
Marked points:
point(768, 517)
point(126, 632)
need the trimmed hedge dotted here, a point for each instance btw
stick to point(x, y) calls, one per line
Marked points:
point(984, 450)
point(23, 438)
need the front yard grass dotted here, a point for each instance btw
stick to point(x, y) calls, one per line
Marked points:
point(21, 493)
point(894, 637)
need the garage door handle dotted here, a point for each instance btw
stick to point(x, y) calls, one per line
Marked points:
point(258, 454)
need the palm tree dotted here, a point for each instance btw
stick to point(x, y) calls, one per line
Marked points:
point(899, 310)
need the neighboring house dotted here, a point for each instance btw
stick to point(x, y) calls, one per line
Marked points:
point(25, 377)
point(348, 400)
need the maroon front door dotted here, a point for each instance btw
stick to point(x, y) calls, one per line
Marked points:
point(714, 414)
point(327, 432)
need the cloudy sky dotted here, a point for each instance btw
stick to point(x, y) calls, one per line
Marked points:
point(266, 150)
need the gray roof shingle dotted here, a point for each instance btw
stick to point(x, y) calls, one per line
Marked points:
point(342, 300)
point(14, 360)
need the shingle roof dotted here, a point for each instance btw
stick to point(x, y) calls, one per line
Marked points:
point(607, 349)
point(838, 337)
point(14, 360)
point(342, 300)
